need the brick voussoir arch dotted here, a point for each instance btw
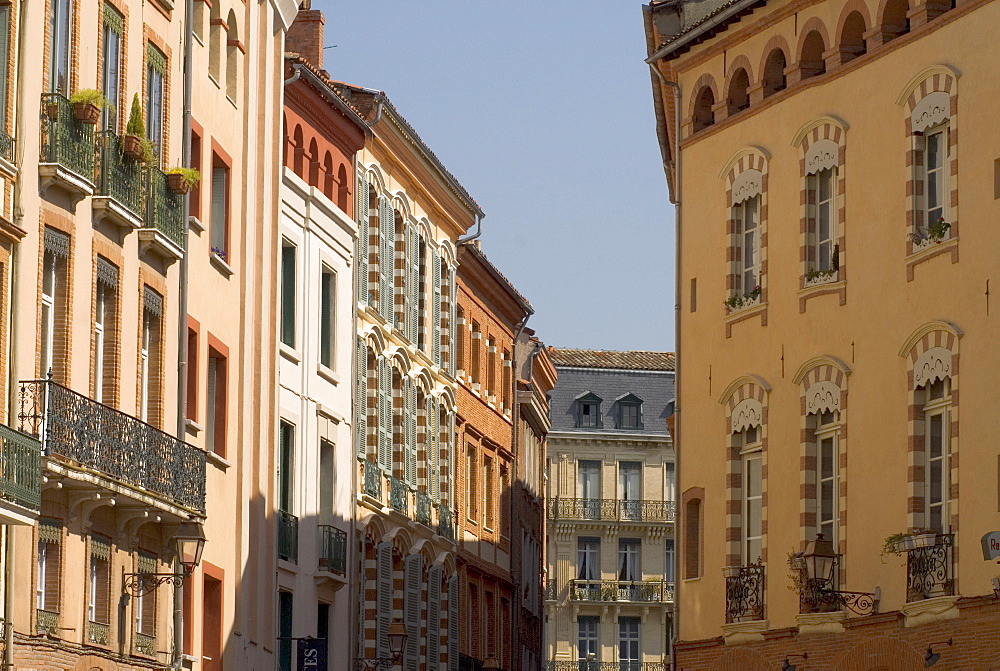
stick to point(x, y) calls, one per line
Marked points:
point(815, 23)
point(882, 652)
point(858, 6)
point(740, 61)
point(775, 42)
point(705, 80)
point(741, 659)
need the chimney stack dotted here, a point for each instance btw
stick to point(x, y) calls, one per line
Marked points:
point(305, 37)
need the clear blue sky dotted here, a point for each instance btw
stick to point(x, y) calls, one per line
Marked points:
point(542, 109)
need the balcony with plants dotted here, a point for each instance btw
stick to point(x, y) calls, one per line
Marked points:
point(68, 141)
point(165, 217)
point(120, 193)
point(86, 443)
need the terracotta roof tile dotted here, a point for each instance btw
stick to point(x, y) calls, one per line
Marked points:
point(602, 358)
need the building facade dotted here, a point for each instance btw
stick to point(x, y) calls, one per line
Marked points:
point(316, 350)
point(143, 414)
point(610, 518)
point(840, 245)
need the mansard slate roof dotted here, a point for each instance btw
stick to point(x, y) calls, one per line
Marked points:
point(612, 376)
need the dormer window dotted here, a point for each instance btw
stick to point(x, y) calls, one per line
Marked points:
point(629, 411)
point(588, 410)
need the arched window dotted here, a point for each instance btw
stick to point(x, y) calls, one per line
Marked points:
point(811, 60)
point(774, 72)
point(313, 158)
point(738, 98)
point(233, 54)
point(297, 151)
point(703, 116)
point(328, 176)
point(852, 41)
point(287, 140)
point(215, 43)
point(692, 538)
point(894, 20)
point(343, 190)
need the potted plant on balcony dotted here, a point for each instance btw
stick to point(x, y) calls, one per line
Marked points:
point(87, 105)
point(181, 179)
point(134, 142)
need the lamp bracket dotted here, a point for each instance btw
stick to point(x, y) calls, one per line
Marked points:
point(141, 584)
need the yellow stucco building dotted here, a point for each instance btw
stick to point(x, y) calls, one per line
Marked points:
point(835, 167)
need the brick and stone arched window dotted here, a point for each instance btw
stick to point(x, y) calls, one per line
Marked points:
point(930, 102)
point(774, 72)
point(822, 153)
point(932, 354)
point(703, 104)
point(746, 255)
point(692, 525)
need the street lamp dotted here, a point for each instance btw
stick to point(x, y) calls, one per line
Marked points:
point(820, 562)
point(930, 657)
point(397, 641)
point(190, 543)
point(491, 664)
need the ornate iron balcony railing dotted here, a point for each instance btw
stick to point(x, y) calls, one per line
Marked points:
point(6, 146)
point(144, 644)
point(551, 590)
point(20, 469)
point(423, 515)
point(373, 479)
point(98, 633)
point(68, 141)
point(288, 537)
point(744, 593)
point(930, 569)
point(640, 591)
point(585, 665)
point(120, 175)
point(398, 496)
point(611, 510)
point(164, 208)
point(332, 549)
point(446, 523)
point(46, 621)
point(122, 447)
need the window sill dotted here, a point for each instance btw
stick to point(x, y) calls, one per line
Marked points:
point(745, 313)
point(212, 79)
point(825, 277)
point(928, 251)
point(197, 38)
point(232, 102)
point(831, 286)
point(193, 427)
point(218, 461)
point(289, 353)
point(327, 374)
point(221, 265)
point(194, 223)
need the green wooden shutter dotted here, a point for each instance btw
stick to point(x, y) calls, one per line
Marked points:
point(434, 618)
point(453, 623)
point(361, 408)
point(412, 284)
point(383, 571)
point(411, 611)
point(436, 313)
point(452, 320)
point(362, 260)
point(433, 453)
point(384, 413)
point(410, 431)
point(386, 260)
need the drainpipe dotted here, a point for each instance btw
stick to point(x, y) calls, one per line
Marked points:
point(479, 231)
point(676, 438)
point(295, 77)
point(182, 309)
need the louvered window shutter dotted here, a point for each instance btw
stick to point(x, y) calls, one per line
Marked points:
point(452, 321)
point(385, 414)
point(434, 618)
point(361, 409)
point(413, 284)
point(436, 315)
point(383, 571)
point(433, 456)
point(453, 624)
point(362, 260)
point(386, 260)
point(411, 611)
point(410, 431)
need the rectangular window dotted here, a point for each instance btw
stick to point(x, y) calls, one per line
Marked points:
point(507, 382)
point(747, 234)
point(327, 316)
point(670, 482)
point(488, 496)
point(286, 464)
point(194, 200)
point(460, 332)
point(191, 401)
point(491, 367)
point(629, 416)
point(286, 611)
point(150, 357)
point(588, 558)
point(752, 492)
point(826, 478)
point(288, 293)
point(936, 196)
point(630, 489)
point(49, 565)
point(936, 450)
point(60, 45)
point(326, 470)
point(211, 631)
point(669, 560)
point(111, 65)
point(322, 621)
point(54, 304)
point(628, 559)
point(215, 410)
point(587, 638)
point(220, 210)
point(144, 606)
point(628, 641)
point(476, 345)
point(692, 538)
point(156, 71)
point(589, 483)
point(821, 213)
point(470, 483)
point(4, 72)
point(99, 585)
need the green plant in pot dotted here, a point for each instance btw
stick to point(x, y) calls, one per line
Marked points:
point(87, 105)
point(134, 142)
point(181, 179)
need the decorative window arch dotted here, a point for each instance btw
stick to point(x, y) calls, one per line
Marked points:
point(930, 103)
point(703, 102)
point(628, 412)
point(745, 401)
point(822, 153)
point(773, 66)
point(746, 255)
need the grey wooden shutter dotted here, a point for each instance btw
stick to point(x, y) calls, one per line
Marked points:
point(413, 284)
point(361, 407)
point(433, 453)
point(436, 314)
point(453, 624)
point(452, 320)
point(384, 413)
point(434, 618)
point(410, 431)
point(383, 571)
point(411, 611)
point(386, 259)
point(362, 260)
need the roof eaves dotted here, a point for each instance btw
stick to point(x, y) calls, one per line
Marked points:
point(500, 277)
point(721, 17)
point(324, 85)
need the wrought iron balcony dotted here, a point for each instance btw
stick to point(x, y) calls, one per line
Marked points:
point(68, 141)
point(446, 523)
point(164, 208)
point(639, 591)
point(81, 430)
point(288, 537)
point(611, 510)
point(20, 469)
point(744, 593)
point(930, 568)
point(398, 496)
point(332, 549)
point(423, 509)
point(373, 479)
point(120, 175)
point(98, 633)
point(551, 590)
point(592, 665)
point(47, 621)
point(6, 146)
point(144, 644)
